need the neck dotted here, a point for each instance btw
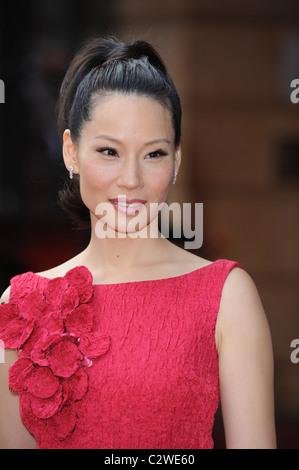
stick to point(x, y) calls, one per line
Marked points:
point(120, 251)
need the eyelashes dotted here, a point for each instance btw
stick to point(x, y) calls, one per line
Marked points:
point(111, 152)
point(157, 153)
point(107, 151)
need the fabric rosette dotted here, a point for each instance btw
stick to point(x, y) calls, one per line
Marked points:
point(53, 329)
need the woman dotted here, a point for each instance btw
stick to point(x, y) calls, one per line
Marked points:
point(130, 343)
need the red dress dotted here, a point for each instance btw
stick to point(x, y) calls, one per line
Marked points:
point(116, 366)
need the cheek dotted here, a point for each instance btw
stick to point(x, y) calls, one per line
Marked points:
point(94, 183)
point(159, 183)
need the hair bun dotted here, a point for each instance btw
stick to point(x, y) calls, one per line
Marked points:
point(140, 48)
point(117, 50)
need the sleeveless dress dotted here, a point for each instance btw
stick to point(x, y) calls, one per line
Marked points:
point(116, 366)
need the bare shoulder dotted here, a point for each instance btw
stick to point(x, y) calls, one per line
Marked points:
point(241, 309)
point(239, 287)
point(246, 366)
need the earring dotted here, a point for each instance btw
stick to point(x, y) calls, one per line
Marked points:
point(71, 172)
point(175, 173)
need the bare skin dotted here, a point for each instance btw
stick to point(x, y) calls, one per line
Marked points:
point(131, 167)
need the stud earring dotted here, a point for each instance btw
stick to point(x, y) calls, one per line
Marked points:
point(175, 173)
point(71, 172)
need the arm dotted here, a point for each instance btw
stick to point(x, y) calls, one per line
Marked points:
point(13, 434)
point(245, 366)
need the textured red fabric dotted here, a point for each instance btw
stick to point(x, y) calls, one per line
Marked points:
point(131, 365)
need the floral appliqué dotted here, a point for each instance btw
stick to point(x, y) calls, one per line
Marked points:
point(52, 329)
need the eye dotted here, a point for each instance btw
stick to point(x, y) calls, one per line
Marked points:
point(107, 151)
point(156, 154)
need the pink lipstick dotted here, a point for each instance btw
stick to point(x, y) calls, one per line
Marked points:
point(128, 206)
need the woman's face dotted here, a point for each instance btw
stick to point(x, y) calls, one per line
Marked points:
point(125, 158)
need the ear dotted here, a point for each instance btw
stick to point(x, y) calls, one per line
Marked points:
point(177, 157)
point(69, 151)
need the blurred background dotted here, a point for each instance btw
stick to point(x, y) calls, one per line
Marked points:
point(232, 63)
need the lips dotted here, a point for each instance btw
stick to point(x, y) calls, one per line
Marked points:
point(128, 206)
point(128, 201)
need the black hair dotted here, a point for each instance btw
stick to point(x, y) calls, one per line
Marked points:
point(103, 66)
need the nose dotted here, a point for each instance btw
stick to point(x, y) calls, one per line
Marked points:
point(130, 176)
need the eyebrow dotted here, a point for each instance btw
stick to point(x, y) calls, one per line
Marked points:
point(112, 139)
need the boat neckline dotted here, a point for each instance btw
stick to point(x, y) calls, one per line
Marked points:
point(145, 281)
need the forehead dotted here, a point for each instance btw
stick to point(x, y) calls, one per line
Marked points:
point(128, 115)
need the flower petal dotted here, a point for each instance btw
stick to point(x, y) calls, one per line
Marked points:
point(68, 300)
point(78, 385)
point(14, 330)
point(65, 392)
point(44, 408)
point(53, 322)
point(81, 278)
point(34, 347)
point(65, 359)
point(55, 287)
point(85, 292)
point(62, 423)
point(8, 313)
point(80, 321)
point(51, 341)
point(42, 308)
point(31, 422)
point(31, 305)
point(42, 383)
point(23, 284)
point(79, 274)
point(18, 373)
point(94, 344)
